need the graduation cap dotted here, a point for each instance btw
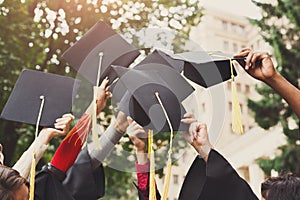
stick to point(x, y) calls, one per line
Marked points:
point(34, 87)
point(163, 58)
point(39, 98)
point(207, 68)
point(210, 68)
point(140, 101)
point(101, 47)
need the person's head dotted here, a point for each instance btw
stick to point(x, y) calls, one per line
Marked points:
point(12, 185)
point(283, 187)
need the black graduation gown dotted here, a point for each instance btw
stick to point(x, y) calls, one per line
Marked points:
point(81, 182)
point(214, 180)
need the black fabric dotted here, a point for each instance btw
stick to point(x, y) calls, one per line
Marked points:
point(221, 181)
point(83, 182)
point(196, 174)
point(48, 187)
point(141, 194)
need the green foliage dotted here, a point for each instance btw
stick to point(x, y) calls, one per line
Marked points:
point(34, 34)
point(280, 25)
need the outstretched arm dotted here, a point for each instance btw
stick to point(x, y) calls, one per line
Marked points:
point(40, 144)
point(70, 147)
point(260, 66)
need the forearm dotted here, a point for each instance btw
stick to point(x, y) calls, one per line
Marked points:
point(39, 145)
point(287, 91)
point(107, 142)
point(70, 147)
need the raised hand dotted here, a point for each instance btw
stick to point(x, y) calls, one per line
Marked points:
point(197, 136)
point(258, 64)
point(61, 125)
point(102, 94)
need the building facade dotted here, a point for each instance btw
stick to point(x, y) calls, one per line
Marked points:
point(228, 33)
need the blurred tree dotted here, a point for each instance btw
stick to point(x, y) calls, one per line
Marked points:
point(34, 34)
point(280, 27)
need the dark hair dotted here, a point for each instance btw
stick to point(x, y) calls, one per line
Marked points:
point(283, 187)
point(10, 181)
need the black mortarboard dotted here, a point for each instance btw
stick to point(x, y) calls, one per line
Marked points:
point(160, 57)
point(101, 39)
point(206, 68)
point(140, 101)
point(24, 102)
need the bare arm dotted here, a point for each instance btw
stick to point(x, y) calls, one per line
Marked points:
point(40, 144)
point(260, 66)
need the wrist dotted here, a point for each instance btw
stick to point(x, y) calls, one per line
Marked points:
point(141, 157)
point(273, 80)
point(45, 136)
point(204, 151)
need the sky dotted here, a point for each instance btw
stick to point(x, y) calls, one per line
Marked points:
point(239, 7)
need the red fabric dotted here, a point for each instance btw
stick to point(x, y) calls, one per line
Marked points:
point(142, 175)
point(70, 147)
point(143, 178)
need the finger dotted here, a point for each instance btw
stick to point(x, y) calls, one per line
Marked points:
point(130, 120)
point(60, 126)
point(204, 126)
point(189, 115)
point(188, 120)
point(243, 53)
point(188, 137)
point(107, 94)
point(255, 59)
point(248, 60)
point(104, 83)
point(68, 115)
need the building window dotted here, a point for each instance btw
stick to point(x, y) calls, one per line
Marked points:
point(203, 107)
point(226, 46)
point(230, 105)
point(224, 25)
point(247, 89)
point(241, 106)
point(230, 128)
point(229, 85)
point(235, 47)
point(238, 87)
point(175, 179)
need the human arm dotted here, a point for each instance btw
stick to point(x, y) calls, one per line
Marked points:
point(197, 136)
point(260, 66)
point(70, 147)
point(212, 172)
point(40, 144)
point(108, 139)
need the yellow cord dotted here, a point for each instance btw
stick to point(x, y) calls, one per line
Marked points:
point(169, 162)
point(237, 124)
point(152, 188)
point(95, 137)
point(33, 164)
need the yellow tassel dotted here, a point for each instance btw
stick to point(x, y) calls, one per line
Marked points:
point(95, 137)
point(32, 177)
point(169, 165)
point(237, 124)
point(152, 188)
point(167, 181)
point(33, 164)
